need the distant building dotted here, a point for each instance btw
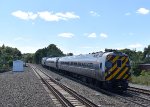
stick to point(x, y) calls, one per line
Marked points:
point(18, 66)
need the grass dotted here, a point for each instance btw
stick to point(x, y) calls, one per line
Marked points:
point(143, 78)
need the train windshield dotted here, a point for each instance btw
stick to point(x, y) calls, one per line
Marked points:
point(119, 63)
point(108, 64)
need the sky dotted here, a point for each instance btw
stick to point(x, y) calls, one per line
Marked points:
point(76, 26)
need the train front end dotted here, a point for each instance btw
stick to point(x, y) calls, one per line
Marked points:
point(117, 70)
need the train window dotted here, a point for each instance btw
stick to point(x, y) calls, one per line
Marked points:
point(119, 63)
point(100, 65)
point(83, 64)
point(79, 64)
point(86, 65)
point(90, 65)
point(67, 63)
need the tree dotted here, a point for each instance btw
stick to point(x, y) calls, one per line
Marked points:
point(28, 58)
point(50, 51)
point(7, 55)
point(135, 59)
point(53, 51)
point(69, 54)
point(146, 54)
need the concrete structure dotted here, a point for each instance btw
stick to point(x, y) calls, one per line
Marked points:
point(18, 66)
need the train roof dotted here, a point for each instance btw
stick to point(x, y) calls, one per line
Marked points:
point(91, 56)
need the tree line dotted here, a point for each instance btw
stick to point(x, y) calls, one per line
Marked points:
point(50, 51)
point(8, 54)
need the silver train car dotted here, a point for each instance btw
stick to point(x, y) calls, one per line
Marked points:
point(103, 68)
point(51, 62)
point(43, 61)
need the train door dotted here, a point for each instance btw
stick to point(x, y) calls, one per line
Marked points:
point(57, 63)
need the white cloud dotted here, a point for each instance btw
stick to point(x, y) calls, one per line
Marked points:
point(93, 13)
point(45, 15)
point(50, 16)
point(143, 11)
point(92, 35)
point(66, 35)
point(103, 35)
point(137, 45)
point(67, 15)
point(24, 15)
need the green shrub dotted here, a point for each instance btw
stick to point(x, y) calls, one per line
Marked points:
point(4, 68)
point(135, 70)
point(143, 78)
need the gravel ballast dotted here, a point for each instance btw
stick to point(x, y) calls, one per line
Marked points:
point(23, 89)
point(98, 98)
point(140, 86)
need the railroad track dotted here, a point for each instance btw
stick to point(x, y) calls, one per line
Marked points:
point(143, 102)
point(141, 94)
point(139, 90)
point(66, 96)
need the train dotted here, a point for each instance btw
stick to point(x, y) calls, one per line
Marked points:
point(110, 70)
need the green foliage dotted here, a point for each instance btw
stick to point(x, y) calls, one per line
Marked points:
point(50, 51)
point(135, 60)
point(135, 70)
point(133, 55)
point(28, 57)
point(138, 76)
point(53, 51)
point(7, 55)
point(146, 52)
point(143, 78)
point(69, 54)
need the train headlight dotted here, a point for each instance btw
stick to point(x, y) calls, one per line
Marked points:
point(108, 56)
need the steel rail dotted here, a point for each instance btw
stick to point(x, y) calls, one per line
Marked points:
point(57, 94)
point(66, 103)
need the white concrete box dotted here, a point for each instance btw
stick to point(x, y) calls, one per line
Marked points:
point(18, 66)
